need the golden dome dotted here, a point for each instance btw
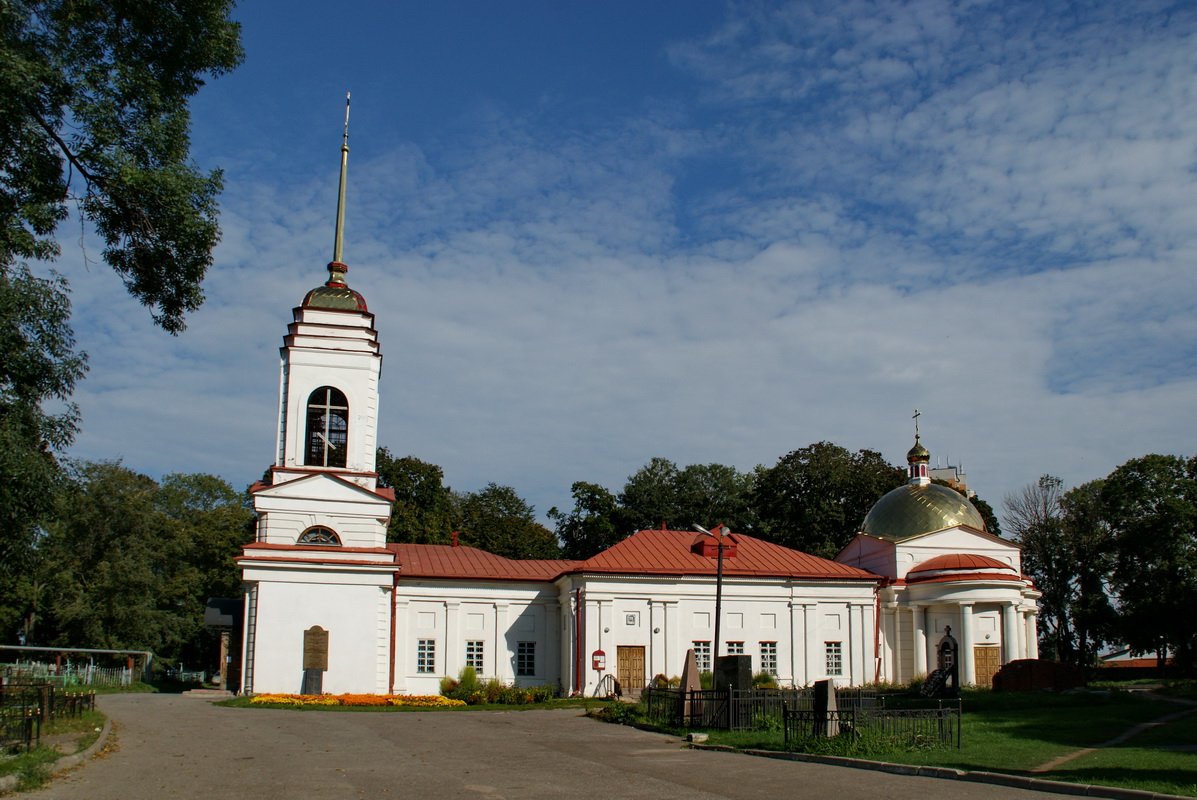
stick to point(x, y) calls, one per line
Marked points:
point(912, 509)
point(335, 294)
point(918, 452)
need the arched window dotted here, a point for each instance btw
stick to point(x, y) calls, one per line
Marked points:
point(328, 428)
point(319, 535)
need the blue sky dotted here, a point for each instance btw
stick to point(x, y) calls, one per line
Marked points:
point(598, 233)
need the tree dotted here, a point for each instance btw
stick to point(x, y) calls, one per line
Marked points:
point(706, 494)
point(96, 112)
point(1151, 506)
point(498, 520)
point(39, 367)
point(590, 527)
point(129, 564)
point(815, 498)
point(423, 511)
point(1036, 520)
point(1091, 547)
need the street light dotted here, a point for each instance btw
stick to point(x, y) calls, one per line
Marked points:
point(718, 579)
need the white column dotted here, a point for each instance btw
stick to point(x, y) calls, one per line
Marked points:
point(796, 645)
point(1009, 634)
point(870, 641)
point(968, 666)
point(553, 639)
point(855, 671)
point(811, 670)
point(453, 644)
point(1032, 634)
point(920, 639)
point(502, 663)
point(675, 651)
point(402, 647)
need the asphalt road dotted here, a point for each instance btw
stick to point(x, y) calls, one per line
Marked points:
point(169, 746)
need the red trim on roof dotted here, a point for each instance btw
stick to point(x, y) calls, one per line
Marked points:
point(650, 552)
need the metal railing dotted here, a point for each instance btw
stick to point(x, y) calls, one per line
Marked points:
point(914, 727)
point(740, 709)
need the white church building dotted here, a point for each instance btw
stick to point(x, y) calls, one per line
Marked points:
point(326, 594)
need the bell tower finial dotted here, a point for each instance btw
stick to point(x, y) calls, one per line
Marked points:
point(918, 457)
point(339, 239)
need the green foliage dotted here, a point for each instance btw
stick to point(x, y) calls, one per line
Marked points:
point(1068, 550)
point(814, 499)
point(498, 520)
point(39, 367)
point(706, 494)
point(1150, 504)
point(764, 680)
point(618, 712)
point(471, 691)
point(96, 100)
point(424, 509)
point(129, 563)
point(590, 527)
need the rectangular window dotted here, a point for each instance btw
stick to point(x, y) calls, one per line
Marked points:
point(702, 654)
point(769, 658)
point(426, 656)
point(835, 658)
point(475, 654)
point(735, 648)
point(525, 658)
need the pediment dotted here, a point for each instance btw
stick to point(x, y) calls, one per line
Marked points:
point(321, 486)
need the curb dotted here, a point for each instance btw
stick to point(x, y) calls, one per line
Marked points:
point(9, 783)
point(947, 773)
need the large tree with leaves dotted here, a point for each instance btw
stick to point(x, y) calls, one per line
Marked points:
point(424, 510)
point(498, 520)
point(1150, 504)
point(95, 118)
point(815, 498)
point(95, 95)
point(706, 494)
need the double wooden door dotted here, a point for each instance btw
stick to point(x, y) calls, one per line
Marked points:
point(630, 667)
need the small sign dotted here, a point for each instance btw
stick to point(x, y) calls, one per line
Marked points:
point(315, 648)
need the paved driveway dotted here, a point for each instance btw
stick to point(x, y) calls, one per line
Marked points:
point(169, 746)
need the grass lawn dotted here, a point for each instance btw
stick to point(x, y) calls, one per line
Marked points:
point(1014, 733)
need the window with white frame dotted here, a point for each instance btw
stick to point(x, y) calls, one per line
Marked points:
point(735, 648)
point(426, 656)
point(835, 658)
point(769, 658)
point(525, 659)
point(702, 654)
point(475, 654)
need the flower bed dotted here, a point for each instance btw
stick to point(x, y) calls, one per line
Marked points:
point(407, 701)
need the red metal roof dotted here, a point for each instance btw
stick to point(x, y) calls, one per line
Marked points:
point(447, 561)
point(651, 552)
point(959, 561)
point(665, 552)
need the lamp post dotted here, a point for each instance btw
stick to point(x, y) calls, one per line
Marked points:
point(718, 580)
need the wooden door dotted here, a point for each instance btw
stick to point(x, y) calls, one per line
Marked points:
point(986, 662)
point(630, 667)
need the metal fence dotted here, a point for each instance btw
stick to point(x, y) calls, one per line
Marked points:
point(913, 727)
point(739, 709)
point(70, 674)
point(24, 706)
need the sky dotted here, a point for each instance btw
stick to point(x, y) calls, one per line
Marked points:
point(597, 233)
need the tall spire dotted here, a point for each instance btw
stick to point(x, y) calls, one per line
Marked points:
point(337, 268)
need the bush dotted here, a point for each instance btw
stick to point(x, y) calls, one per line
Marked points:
point(471, 691)
point(763, 680)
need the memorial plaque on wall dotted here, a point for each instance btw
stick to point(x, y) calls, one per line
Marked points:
point(315, 648)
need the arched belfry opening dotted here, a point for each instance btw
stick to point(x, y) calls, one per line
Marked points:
point(328, 428)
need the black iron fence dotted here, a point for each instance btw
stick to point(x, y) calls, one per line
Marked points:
point(740, 709)
point(911, 727)
point(24, 707)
